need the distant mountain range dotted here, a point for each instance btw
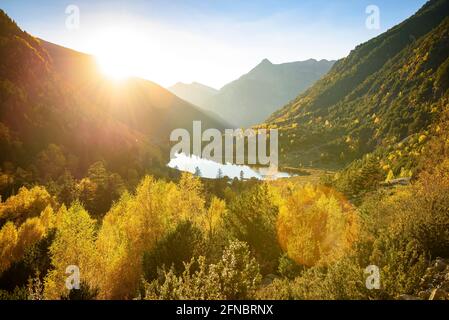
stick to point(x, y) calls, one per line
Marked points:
point(254, 96)
point(195, 92)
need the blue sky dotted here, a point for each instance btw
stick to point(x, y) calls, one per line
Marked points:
point(208, 41)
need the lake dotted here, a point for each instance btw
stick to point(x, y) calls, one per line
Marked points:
point(209, 169)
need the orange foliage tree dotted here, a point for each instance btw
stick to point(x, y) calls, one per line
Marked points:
point(316, 225)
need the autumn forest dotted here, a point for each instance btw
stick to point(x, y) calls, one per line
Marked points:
point(84, 181)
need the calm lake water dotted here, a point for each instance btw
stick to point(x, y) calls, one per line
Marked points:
point(209, 169)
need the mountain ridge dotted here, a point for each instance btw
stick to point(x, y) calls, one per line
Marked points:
point(371, 98)
point(252, 97)
point(195, 92)
point(54, 100)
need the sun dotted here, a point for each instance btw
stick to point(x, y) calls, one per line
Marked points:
point(117, 52)
point(114, 66)
point(128, 49)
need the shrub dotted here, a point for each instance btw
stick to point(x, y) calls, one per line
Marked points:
point(235, 276)
point(252, 218)
point(173, 250)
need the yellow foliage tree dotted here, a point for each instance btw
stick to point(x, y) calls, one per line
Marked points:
point(27, 203)
point(135, 224)
point(213, 218)
point(48, 218)
point(191, 196)
point(14, 242)
point(8, 242)
point(73, 245)
point(30, 232)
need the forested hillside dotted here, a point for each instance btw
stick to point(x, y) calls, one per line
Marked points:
point(59, 116)
point(139, 104)
point(386, 90)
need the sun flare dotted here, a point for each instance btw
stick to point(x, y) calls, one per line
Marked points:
point(118, 52)
point(114, 66)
